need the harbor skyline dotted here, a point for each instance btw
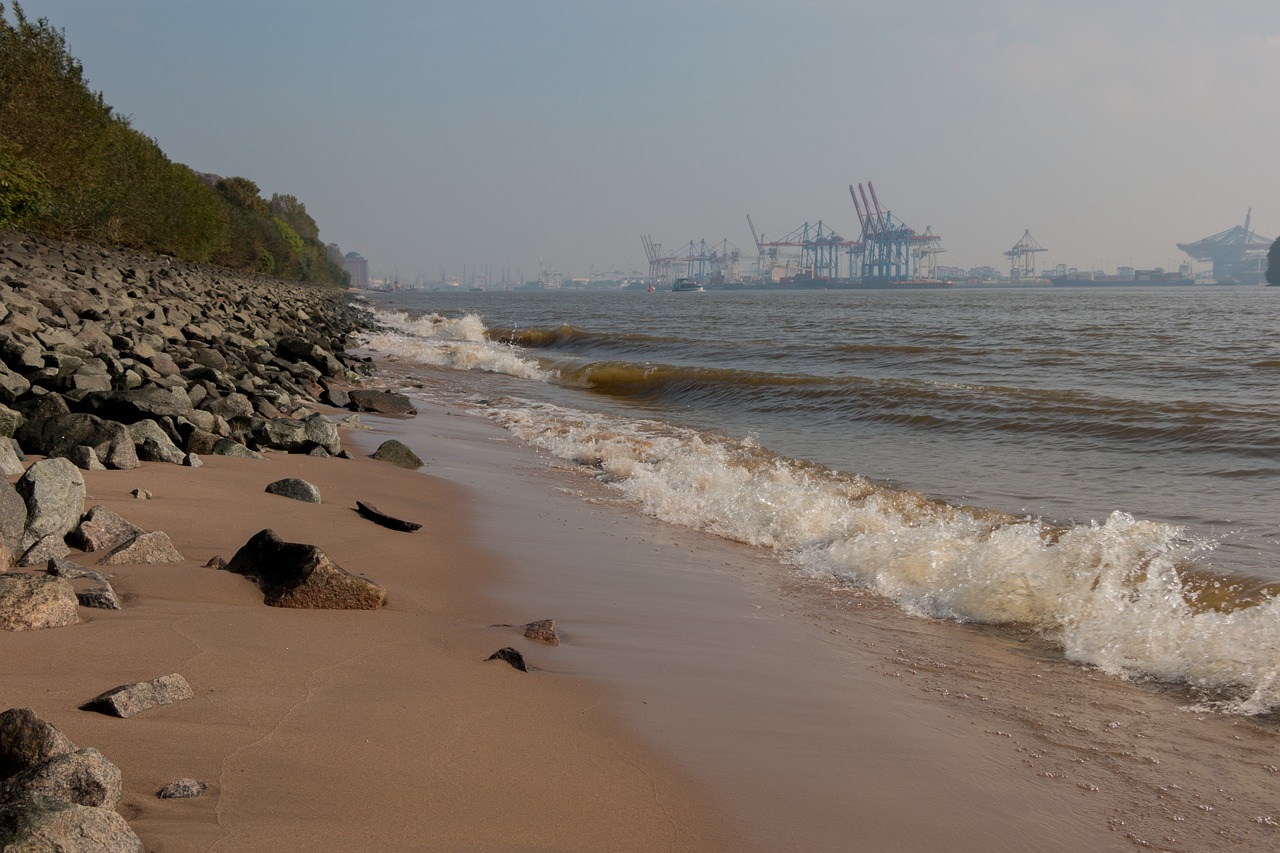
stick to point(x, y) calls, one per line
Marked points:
point(522, 140)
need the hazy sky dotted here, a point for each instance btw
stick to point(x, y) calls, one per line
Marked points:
point(430, 135)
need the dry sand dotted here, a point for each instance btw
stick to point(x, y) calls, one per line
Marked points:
point(320, 730)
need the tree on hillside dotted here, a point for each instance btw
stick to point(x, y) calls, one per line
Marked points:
point(1273, 263)
point(294, 213)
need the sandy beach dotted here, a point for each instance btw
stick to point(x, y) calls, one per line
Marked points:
point(324, 730)
point(699, 700)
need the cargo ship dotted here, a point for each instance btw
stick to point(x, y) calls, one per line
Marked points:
point(1142, 278)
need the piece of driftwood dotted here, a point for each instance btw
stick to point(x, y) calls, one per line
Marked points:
point(372, 513)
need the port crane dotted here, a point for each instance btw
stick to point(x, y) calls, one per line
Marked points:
point(1022, 264)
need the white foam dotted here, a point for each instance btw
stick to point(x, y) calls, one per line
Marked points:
point(1107, 591)
point(459, 343)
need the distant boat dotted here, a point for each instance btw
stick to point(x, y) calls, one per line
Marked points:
point(685, 285)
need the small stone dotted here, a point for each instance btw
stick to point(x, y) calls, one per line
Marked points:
point(142, 494)
point(192, 460)
point(544, 631)
point(298, 490)
point(216, 562)
point(129, 699)
point(397, 453)
point(511, 656)
point(182, 789)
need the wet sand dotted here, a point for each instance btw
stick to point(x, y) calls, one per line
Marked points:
point(816, 719)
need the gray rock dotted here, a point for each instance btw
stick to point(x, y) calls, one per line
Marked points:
point(39, 825)
point(143, 549)
point(46, 548)
point(26, 741)
point(85, 458)
point(10, 465)
point(84, 777)
point(182, 789)
point(29, 602)
point(227, 447)
point(54, 493)
point(298, 490)
point(10, 420)
point(354, 422)
point(230, 406)
point(148, 402)
point(101, 530)
point(13, 514)
point(153, 443)
point(322, 432)
point(296, 575)
point(397, 453)
point(381, 402)
point(101, 597)
point(74, 571)
point(129, 699)
point(192, 460)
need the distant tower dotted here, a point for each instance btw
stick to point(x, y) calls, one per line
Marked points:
point(358, 268)
point(1023, 257)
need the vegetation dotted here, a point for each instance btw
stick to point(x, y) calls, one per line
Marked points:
point(70, 167)
point(1273, 263)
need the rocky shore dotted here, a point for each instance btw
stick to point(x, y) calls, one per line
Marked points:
point(109, 359)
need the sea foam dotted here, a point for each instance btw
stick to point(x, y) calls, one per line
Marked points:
point(1110, 592)
point(459, 343)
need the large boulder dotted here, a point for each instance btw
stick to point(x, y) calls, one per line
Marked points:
point(153, 444)
point(54, 492)
point(59, 434)
point(29, 602)
point(84, 777)
point(101, 530)
point(26, 741)
point(41, 825)
point(296, 575)
point(143, 549)
point(147, 402)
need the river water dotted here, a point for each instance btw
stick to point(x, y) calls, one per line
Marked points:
point(1098, 465)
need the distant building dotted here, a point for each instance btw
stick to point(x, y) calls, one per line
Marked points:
point(358, 268)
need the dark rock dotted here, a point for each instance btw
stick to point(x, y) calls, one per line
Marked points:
point(216, 562)
point(40, 825)
point(74, 571)
point(85, 458)
point(101, 530)
point(182, 789)
point(381, 402)
point(29, 602)
point(129, 699)
point(60, 434)
point(142, 494)
point(298, 490)
point(511, 656)
point(397, 453)
point(143, 549)
point(372, 513)
point(101, 597)
point(84, 777)
point(127, 407)
point(27, 741)
point(297, 575)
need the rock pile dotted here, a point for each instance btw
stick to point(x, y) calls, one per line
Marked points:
point(108, 358)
